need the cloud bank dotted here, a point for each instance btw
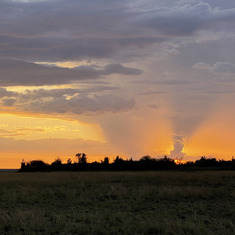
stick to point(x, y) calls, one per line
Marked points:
point(71, 30)
point(156, 70)
point(20, 73)
point(64, 101)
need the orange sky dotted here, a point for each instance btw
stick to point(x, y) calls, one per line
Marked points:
point(107, 78)
point(30, 138)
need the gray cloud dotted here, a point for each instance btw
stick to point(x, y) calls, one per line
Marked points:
point(224, 67)
point(186, 19)
point(119, 69)
point(5, 93)
point(69, 30)
point(66, 101)
point(201, 65)
point(14, 72)
point(219, 67)
point(81, 104)
point(109, 69)
point(170, 82)
point(9, 102)
point(52, 93)
point(60, 30)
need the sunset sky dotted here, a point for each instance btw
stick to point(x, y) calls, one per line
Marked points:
point(108, 77)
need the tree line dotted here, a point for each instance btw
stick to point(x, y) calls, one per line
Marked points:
point(119, 164)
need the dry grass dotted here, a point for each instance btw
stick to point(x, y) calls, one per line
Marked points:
point(117, 203)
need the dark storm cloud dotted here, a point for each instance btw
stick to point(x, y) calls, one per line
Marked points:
point(13, 72)
point(68, 30)
point(186, 19)
point(60, 30)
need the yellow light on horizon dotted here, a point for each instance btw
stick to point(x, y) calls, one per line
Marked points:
point(30, 128)
point(213, 138)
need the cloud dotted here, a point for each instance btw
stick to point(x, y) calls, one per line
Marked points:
point(108, 69)
point(170, 82)
point(5, 93)
point(181, 21)
point(71, 30)
point(9, 102)
point(219, 67)
point(15, 132)
point(120, 69)
point(66, 101)
point(177, 151)
point(15, 72)
point(156, 43)
point(202, 65)
point(188, 18)
point(224, 67)
point(81, 104)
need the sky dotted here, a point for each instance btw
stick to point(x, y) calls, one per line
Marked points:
point(107, 78)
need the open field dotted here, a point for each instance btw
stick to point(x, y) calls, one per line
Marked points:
point(117, 203)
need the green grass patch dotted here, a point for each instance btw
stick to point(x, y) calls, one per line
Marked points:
point(117, 203)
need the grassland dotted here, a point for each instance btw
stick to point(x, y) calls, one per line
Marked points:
point(117, 203)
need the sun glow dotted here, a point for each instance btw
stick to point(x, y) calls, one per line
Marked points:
point(214, 138)
point(179, 161)
point(31, 128)
point(31, 138)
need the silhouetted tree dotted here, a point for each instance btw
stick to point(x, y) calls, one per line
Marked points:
point(119, 164)
point(78, 155)
point(106, 161)
point(69, 161)
point(118, 160)
point(206, 162)
point(57, 164)
point(36, 165)
point(146, 158)
point(165, 163)
point(23, 165)
point(144, 163)
point(82, 158)
point(233, 163)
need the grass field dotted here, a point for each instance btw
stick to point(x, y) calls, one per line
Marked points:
point(117, 203)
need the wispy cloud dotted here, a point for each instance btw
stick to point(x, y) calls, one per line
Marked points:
point(218, 67)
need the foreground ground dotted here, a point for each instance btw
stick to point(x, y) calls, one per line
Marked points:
point(117, 203)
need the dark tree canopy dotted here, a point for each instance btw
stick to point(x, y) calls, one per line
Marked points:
point(119, 164)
